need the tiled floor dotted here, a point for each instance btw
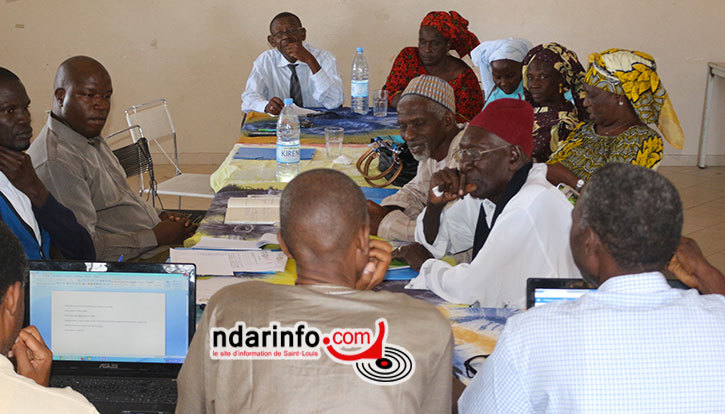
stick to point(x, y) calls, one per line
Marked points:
point(702, 192)
point(703, 197)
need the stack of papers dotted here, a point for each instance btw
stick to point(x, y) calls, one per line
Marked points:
point(215, 243)
point(263, 209)
point(227, 262)
point(206, 288)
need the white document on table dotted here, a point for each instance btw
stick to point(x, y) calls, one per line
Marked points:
point(212, 243)
point(252, 210)
point(299, 111)
point(207, 287)
point(226, 262)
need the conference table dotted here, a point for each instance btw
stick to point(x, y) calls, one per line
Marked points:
point(258, 131)
point(475, 329)
point(359, 129)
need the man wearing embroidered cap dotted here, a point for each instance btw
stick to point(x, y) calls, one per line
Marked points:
point(426, 115)
point(499, 203)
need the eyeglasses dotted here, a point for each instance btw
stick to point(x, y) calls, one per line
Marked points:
point(470, 371)
point(473, 154)
point(291, 32)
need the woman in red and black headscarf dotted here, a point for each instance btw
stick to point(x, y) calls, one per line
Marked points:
point(439, 32)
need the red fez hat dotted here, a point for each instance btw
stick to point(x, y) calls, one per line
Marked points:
point(510, 119)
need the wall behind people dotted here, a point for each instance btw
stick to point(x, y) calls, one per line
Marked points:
point(198, 54)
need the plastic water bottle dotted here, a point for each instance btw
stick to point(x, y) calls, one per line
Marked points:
point(288, 143)
point(359, 85)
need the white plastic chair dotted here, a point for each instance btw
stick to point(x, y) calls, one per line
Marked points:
point(155, 120)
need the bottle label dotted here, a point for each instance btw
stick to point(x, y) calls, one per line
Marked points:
point(359, 89)
point(288, 154)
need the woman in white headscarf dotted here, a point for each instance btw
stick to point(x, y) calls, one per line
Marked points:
point(500, 62)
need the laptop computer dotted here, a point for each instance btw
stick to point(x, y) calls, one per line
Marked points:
point(540, 290)
point(119, 332)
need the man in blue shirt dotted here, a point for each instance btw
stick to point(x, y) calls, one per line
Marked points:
point(634, 345)
point(36, 218)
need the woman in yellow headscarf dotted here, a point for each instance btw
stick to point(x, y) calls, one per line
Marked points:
point(623, 95)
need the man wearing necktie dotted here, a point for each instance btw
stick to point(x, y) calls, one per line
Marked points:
point(499, 204)
point(293, 69)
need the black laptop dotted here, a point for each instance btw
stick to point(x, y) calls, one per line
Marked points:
point(119, 332)
point(541, 290)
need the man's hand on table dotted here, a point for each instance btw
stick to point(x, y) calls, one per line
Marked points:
point(274, 106)
point(189, 227)
point(377, 213)
point(174, 216)
point(374, 272)
point(32, 356)
point(414, 254)
point(172, 232)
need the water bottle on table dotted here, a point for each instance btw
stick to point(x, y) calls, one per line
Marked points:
point(288, 143)
point(359, 84)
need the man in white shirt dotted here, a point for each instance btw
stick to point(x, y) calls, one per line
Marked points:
point(293, 69)
point(25, 391)
point(427, 119)
point(635, 345)
point(515, 221)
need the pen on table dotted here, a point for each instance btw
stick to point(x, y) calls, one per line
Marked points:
point(267, 130)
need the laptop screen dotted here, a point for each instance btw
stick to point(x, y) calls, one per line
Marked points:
point(546, 295)
point(540, 291)
point(113, 312)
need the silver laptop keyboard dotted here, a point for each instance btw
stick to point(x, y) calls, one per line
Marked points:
point(121, 390)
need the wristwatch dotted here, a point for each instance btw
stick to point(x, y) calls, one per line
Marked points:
point(580, 184)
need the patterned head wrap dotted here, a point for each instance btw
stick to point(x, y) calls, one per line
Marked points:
point(567, 64)
point(634, 75)
point(454, 28)
point(510, 48)
point(433, 88)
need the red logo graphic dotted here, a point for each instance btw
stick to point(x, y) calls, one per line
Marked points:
point(379, 363)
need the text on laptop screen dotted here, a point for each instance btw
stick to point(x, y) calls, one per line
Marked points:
point(118, 317)
point(546, 295)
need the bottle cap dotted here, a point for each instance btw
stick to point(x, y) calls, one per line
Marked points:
point(288, 101)
point(359, 50)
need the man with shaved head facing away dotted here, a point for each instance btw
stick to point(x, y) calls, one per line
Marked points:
point(24, 388)
point(80, 170)
point(324, 227)
point(36, 218)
